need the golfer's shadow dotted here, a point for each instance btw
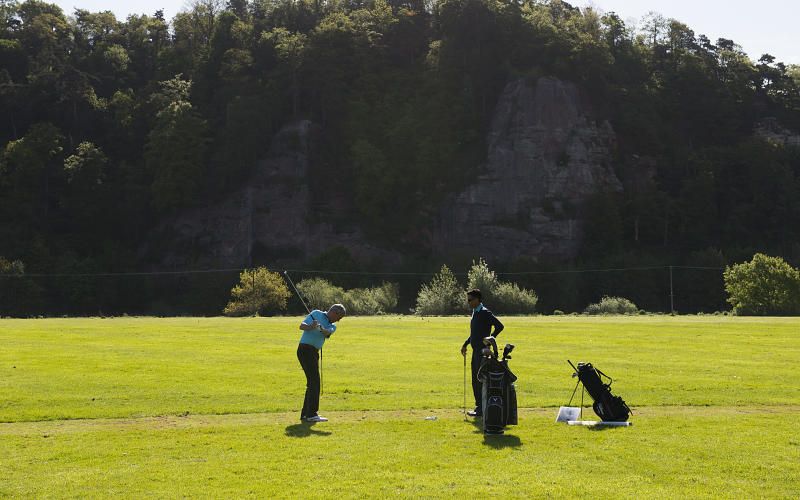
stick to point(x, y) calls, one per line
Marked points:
point(496, 441)
point(304, 429)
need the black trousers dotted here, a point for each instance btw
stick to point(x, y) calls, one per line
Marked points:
point(476, 384)
point(308, 355)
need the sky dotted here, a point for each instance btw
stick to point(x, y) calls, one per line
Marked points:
point(759, 28)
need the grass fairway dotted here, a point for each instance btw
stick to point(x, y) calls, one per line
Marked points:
point(208, 407)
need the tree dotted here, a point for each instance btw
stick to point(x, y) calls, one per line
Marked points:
point(87, 201)
point(441, 296)
point(30, 179)
point(504, 298)
point(176, 148)
point(484, 279)
point(765, 286)
point(19, 295)
point(259, 291)
point(290, 48)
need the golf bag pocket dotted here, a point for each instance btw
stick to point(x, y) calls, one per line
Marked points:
point(511, 398)
point(494, 418)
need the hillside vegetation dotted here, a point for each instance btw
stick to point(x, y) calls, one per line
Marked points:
point(109, 126)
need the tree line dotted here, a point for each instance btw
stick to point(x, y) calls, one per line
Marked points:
point(109, 126)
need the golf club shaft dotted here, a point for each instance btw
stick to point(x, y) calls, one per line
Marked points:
point(465, 386)
point(295, 291)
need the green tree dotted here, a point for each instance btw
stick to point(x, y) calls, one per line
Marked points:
point(441, 296)
point(87, 201)
point(765, 286)
point(19, 295)
point(484, 279)
point(31, 180)
point(290, 50)
point(259, 291)
point(176, 148)
point(503, 297)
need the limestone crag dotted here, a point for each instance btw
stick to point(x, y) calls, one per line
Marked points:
point(772, 129)
point(271, 219)
point(547, 153)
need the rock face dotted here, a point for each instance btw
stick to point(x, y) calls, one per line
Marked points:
point(770, 128)
point(547, 153)
point(271, 219)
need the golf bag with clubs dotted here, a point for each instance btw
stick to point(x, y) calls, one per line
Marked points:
point(608, 407)
point(499, 397)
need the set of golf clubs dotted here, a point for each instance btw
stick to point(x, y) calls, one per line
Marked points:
point(491, 348)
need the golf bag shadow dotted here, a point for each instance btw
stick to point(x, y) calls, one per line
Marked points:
point(608, 407)
point(499, 396)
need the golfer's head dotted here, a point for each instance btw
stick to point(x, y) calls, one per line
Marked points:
point(336, 312)
point(474, 297)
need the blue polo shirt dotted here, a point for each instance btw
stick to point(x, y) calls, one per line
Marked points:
point(314, 337)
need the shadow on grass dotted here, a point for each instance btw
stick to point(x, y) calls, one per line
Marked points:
point(601, 427)
point(304, 429)
point(502, 441)
point(496, 441)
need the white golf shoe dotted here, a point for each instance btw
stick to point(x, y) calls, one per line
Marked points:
point(316, 418)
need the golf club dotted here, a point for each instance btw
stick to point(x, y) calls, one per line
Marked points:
point(465, 386)
point(312, 318)
point(295, 291)
point(507, 351)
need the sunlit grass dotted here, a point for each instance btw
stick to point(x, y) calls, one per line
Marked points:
point(207, 407)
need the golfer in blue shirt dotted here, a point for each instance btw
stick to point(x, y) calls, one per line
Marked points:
point(317, 327)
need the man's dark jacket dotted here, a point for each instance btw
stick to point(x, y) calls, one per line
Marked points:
point(480, 327)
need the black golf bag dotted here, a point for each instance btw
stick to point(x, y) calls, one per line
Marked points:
point(499, 397)
point(608, 407)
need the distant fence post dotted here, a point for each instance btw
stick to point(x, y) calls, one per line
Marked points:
point(671, 294)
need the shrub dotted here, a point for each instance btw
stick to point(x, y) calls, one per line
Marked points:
point(765, 286)
point(501, 297)
point(388, 296)
point(481, 277)
point(509, 298)
point(371, 301)
point(442, 296)
point(259, 292)
point(320, 294)
point(612, 305)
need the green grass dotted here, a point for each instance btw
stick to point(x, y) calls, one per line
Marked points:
point(208, 407)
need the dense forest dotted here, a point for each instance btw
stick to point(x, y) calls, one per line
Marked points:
point(108, 126)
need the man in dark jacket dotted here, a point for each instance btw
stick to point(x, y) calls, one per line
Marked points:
point(480, 327)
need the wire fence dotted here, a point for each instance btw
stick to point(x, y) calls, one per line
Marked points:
point(667, 289)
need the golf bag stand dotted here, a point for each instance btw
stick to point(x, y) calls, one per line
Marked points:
point(608, 407)
point(499, 396)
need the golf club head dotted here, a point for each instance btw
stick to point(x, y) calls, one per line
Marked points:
point(507, 351)
point(490, 342)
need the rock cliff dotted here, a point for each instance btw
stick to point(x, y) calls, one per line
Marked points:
point(547, 152)
point(271, 219)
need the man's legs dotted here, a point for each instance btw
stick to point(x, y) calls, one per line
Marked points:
point(476, 384)
point(309, 360)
